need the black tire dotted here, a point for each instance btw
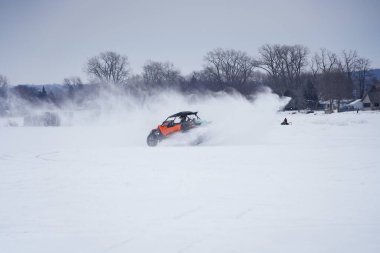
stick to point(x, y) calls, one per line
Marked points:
point(185, 126)
point(152, 140)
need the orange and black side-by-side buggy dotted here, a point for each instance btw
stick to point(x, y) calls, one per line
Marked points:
point(179, 122)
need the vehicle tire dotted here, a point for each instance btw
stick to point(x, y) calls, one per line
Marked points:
point(152, 140)
point(185, 126)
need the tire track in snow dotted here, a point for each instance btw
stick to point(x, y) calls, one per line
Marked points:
point(186, 213)
point(5, 157)
point(45, 156)
point(242, 214)
point(117, 245)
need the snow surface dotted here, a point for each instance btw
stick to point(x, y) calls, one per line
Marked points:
point(252, 186)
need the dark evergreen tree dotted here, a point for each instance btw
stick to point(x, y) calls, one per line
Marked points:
point(311, 95)
point(42, 95)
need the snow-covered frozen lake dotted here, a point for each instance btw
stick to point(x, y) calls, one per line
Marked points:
point(313, 186)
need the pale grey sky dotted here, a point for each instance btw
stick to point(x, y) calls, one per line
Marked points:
point(44, 41)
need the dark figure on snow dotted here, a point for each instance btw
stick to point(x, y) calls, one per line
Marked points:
point(185, 123)
point(183, 119)
point(285, 122)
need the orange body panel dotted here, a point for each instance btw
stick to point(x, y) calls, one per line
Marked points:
point(169, 130)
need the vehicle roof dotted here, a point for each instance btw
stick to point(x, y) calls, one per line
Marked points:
point(185, 113)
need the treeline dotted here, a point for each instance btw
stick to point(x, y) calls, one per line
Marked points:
point(289, 70)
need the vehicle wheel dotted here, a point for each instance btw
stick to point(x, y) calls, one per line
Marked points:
point(185, 126)
point(152, 140)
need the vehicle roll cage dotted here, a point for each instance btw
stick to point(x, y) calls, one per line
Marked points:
point(181, 115)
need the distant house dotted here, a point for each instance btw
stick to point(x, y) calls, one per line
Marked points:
point(356, 105)
point(371, 100)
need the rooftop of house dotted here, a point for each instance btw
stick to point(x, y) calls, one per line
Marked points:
point(374, 94)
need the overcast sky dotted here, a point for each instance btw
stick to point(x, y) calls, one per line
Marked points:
point(44, 41)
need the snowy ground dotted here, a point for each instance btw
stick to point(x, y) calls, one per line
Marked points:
point(313, 186)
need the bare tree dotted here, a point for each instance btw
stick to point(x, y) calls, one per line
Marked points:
point(284, 64)
point(333, 74)
point(269, 60)
point(3, 85)
point(73, 84)
point(349, 62)
point(73, 81)
point(362, 72)
point(3, 95)
point(295, 58)
point(3, 81)
point(324, 62)
point(335, 85)
point(229, 67)
point(108, 67)
point(161, 74)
